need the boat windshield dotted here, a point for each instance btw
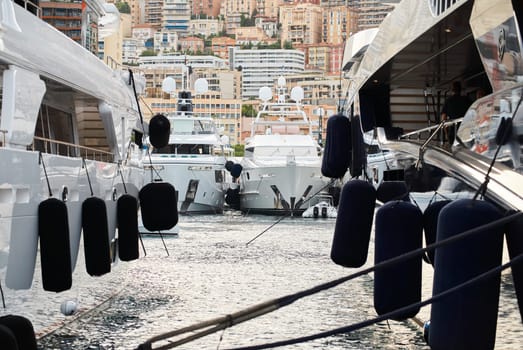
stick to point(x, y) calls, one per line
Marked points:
point(185, 149)
point(192, 126)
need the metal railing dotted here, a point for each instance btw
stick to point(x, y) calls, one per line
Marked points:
point(70, 149)
point(427, 133)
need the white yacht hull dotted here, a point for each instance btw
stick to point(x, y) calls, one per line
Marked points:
point(198, 181)
point(23, 187)
point(279, 189)
point(58, 122)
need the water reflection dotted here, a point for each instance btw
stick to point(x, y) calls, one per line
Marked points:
point(211, 272)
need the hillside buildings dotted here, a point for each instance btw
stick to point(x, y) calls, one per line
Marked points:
point(239, 46)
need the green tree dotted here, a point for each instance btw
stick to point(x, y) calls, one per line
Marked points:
point(287, 45)
point(148, 53)
point(123, 7)
point(239, 150)
point(248, 110)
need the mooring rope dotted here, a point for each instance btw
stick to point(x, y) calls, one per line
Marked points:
point(46, 177)
point(353, 327)
point(275, 304)
point(88, 178)
point(288, 213)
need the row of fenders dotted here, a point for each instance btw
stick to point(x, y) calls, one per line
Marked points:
point(159, 212)
point(465, 319)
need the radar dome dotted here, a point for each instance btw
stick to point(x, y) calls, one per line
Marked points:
point(169, 85)
point(201, 85)
point(297, 93)
point(265, 93)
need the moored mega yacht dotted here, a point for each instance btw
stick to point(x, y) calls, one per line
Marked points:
point(399, 81)
point(68, 129)
point(194, 159)
point(282, 162)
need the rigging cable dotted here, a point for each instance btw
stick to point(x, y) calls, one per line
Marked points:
point(132, 82)
point(214, 325)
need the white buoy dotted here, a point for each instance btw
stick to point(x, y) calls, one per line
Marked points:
point(68, 307)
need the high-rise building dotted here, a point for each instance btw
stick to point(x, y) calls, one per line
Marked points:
point(209, 8)
point(337, 24)
point(262, 67)
point(137, 11)
point(220, 46)
point(301, 23)
point(176, 15)
point(269, 8)
point(153, 13)
point(64, 16)
point(75, 18)
point(245, 7)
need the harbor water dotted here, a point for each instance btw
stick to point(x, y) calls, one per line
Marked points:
point(209, 271)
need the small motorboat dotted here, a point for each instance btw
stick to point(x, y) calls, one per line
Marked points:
point(323, 208)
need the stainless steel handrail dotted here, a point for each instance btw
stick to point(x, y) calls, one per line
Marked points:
point(74, 150)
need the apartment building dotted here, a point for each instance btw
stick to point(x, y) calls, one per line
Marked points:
point(223, 81)
point(220, 46)
point(251, 36)
point(137, 11)
point(337, 24)
point(165, 41)
point(64, 16)
point(130, 50)
point(245, 7)
point(269, 8)
point(210, 8)
point(153, 13)
point(268, 24)
point(301, 23)
point(206, 27)
point(191, 44)
point(157, 68)
point(176, 15)
point(261, 68)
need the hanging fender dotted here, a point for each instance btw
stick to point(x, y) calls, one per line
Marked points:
point(466, 319)
point(392, 191)
point(158, 204)
point(21, 329)
point(350, 244)
point(337, 153)
point(159, 131)
point(430, 224)
point(127, 220)
point(398, 230)
point(55, 254)
point(96, 237)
